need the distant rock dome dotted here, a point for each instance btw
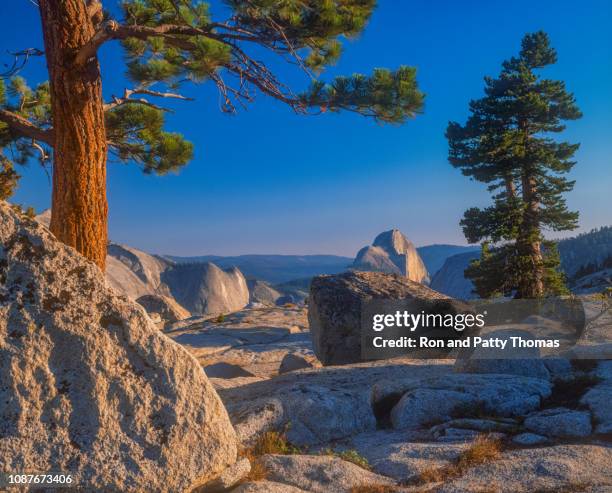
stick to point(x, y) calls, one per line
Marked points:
point(392, 253)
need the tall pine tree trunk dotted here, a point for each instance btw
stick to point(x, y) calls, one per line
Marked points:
point(531, 284)
point(79, 207)
point(510, 188)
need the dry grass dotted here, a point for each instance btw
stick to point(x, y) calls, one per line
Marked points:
point(274, 442)
point(373, 488)
point(258, 471)
point(270, 442)
point(483, 450)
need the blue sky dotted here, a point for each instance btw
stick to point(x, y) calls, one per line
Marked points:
point(269, 181)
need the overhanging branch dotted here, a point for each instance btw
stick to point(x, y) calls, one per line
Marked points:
point(113, 30)
point(25, 127)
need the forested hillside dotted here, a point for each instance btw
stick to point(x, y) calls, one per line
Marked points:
point(586, 253)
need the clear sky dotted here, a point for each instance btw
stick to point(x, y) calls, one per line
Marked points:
point(269, 181)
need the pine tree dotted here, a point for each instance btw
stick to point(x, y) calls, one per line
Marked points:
point(168, 43)
point(506, 143)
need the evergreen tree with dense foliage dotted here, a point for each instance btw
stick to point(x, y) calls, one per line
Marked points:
point(507, 143)
point(168, 43)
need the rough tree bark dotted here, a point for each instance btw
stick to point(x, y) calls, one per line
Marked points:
point(79, 208)
point(528, 243)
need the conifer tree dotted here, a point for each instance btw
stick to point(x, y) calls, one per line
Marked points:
point(507, 143)
point(169, 43)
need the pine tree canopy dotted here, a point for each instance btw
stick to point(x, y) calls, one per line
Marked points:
point(28, 108)
point(168, 43)
point(508, 143)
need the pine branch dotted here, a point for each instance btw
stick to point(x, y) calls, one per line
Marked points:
point(25, 127)
point(113, 30)
point(128, 93)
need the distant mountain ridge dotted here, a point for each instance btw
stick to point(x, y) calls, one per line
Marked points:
point(274, 269)
point(279, 269)
point(592, 248)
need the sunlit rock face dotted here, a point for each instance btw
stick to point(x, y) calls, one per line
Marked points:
point(392, 253)
point(89, 385)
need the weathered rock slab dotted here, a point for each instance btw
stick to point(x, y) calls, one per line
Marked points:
point(422, 408)
point(529, 439)
point(255, 340)
point(559, 422)
point(310, 414)
point(498, 395)
point(402, 455)
point(318, 405)
point(561, 468)
point(320, 474)
point(266, 487)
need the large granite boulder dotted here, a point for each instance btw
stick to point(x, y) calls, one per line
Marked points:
point(88, 385)
point(335, 307)
point(392, 253)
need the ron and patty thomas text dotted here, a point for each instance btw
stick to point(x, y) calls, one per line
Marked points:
point(459, 322)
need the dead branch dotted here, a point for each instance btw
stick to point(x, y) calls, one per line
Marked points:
point(128, 93)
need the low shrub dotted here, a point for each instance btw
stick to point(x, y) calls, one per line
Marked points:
point(350, 456)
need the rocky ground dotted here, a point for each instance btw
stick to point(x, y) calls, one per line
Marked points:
point(249, 345)
point(401, 424)
point(91, 384)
